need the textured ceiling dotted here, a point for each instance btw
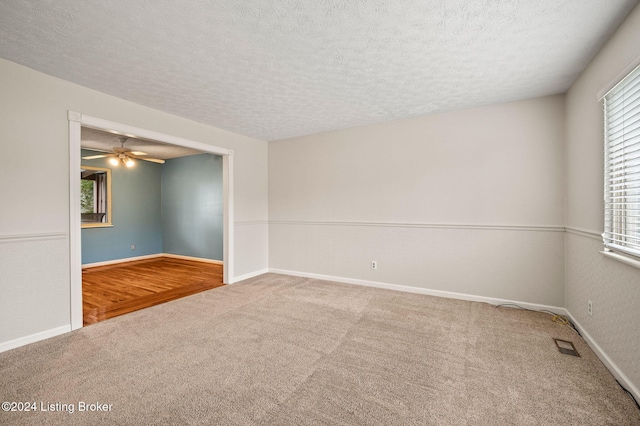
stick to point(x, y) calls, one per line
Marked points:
point(274, 69)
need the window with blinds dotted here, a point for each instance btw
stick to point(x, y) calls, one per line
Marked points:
point(622, 166)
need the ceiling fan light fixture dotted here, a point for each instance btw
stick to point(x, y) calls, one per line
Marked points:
point(122, 155)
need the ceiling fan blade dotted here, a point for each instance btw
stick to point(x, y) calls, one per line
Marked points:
point(97, 149)
point(137, 153)
point(153, 160)
point(93, 157)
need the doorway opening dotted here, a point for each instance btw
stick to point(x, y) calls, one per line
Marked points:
point(78, 122)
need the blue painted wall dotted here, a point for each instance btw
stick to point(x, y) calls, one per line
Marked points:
point(136, 213)
point(174, 207)
point(192, 206)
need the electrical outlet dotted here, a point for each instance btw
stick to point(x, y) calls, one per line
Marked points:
point(374, 264)
point(590, 307)
point(133, 246)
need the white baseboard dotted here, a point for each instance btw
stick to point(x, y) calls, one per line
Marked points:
point(419, 290)
point(195, 259)
point(21, 341)
point(150, 256)
point(611, 366)
point(125, 260)
point(249, 275)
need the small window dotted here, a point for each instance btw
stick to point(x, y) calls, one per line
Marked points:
point(622, 166)
point(95, 197)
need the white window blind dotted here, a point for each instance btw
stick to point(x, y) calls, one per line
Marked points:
point(622, 166)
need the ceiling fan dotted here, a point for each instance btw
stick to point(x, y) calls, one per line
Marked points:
point(123, 155)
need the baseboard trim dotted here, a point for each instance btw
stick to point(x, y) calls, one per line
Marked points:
point(32, 338)
point(195, 259)
point(125, 260)
point(249, 275)
point(419, 290)
point(608, 362)
point(150, 256)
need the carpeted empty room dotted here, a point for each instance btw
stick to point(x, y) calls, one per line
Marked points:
point(281, 350)
point(334, 212)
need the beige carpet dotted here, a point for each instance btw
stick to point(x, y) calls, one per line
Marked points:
point(277, 350)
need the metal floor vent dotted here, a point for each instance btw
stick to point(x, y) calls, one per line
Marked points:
point(566, 348)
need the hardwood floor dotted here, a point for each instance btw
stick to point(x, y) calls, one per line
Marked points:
point(109, 291)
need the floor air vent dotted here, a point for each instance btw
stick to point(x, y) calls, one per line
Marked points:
point(566, 348)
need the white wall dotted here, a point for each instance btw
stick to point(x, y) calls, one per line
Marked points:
point(467, 202)
point(613, 287)
point(34, 181)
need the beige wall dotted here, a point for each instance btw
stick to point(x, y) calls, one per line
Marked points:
point(468, 202)
point(613, 287)
point(34, 186)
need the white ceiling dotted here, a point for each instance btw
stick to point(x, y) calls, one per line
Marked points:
point(274, 69)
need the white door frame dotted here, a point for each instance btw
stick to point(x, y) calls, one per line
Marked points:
point(76, 122)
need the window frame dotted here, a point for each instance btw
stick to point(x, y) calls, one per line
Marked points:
point(109, 219)
point(621, 108)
